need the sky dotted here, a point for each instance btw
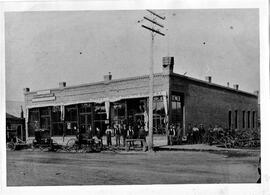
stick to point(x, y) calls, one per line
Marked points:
point(45, 48)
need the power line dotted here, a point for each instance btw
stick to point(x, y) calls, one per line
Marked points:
point(153, 31)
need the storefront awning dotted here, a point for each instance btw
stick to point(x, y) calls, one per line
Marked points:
point(96, 100)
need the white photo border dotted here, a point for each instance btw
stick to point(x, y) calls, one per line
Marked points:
point(262, 5)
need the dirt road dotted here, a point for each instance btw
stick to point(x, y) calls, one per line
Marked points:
point(25, 168)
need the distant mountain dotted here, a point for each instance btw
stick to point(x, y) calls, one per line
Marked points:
point(14, 107)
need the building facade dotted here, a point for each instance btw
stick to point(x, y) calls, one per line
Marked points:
point(15, 127)
point(178, 100)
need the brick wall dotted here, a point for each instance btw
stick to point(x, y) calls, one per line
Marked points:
point(209, 104)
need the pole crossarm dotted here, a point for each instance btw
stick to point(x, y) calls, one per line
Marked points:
point(162, 18)
point(154, 22)
point(153, 30)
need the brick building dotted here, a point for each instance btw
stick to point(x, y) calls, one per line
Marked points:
point(178, 99)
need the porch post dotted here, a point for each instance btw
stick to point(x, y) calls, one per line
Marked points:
point(26, 123)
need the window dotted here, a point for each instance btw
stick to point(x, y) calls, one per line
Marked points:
point(243, 119)
point(45, 118)
point(236, 119)
point(100, 116)
point(248, 119)
point(34, 121)
point(230, 119)
point(34, 114)
point(57, 124)
point(159, 115)
point(85, 108)
point(118, 112)
point(100, 112)
point(71, 119)
point(135, 110)
point(177, 111)
point(253, 119)
point(85, 117)
point(71, 113)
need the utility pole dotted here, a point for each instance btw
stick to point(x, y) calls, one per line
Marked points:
point(154, 31)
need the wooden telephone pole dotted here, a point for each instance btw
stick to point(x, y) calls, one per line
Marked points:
point(154, 31)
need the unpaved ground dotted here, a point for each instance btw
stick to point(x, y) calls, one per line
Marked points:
point(25, 168)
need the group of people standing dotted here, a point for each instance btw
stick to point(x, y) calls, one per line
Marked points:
point(123, 132)
point(195, 134)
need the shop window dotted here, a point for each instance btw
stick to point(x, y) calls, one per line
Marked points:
point(56, 114)
point(45, 123)
point(34, 121)
point(135, 110)
point(158, 115)
point(71, 117)
point(45, 118)
point(57, 124)
point(100, 117)
point(33, 115)
point(71, 113)
point(85, 117)
point(100, 112)
point(57, 129)
point(85, 108)
point(45, 111)
point(118, 111)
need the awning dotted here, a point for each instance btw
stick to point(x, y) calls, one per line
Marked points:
point(98, 100)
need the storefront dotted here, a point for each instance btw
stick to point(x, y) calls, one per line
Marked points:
point(65, 120)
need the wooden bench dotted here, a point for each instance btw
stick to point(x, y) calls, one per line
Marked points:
point(129, 141)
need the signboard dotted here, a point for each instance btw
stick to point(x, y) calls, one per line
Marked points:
point(43, 92)
point(42, 99)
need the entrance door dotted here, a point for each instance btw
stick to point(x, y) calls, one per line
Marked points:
point(85, 122)
point(20, 132)
point(45, 122)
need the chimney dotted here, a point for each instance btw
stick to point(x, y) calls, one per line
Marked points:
point(108, 77)
point(256, 92)
point(167, 65)
point(62, 84)
point(228, 84)
point(26, 90)
point(236, 86)
point(21, 112)
point(208, 79)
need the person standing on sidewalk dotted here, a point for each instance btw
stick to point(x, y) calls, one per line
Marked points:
point(189, 134)
point(130, 134)
point(123, 128)
point(201, 134)
point(117, 135)
point(99, 134)
point(171, 134)
point(210, 135)
point(109, 136)
point(195, 134)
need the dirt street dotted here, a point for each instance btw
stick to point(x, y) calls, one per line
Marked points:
point(25, 168)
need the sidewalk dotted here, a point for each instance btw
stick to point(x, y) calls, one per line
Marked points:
point(202, 147)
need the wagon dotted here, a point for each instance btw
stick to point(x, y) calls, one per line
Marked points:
point(85, 145)
point(43, 141)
